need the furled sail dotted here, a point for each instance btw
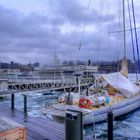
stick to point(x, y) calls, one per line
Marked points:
point(124, 68)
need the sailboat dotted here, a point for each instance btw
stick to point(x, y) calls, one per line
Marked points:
point(112, 92)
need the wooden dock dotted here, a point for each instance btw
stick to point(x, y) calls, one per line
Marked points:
point(37, 128)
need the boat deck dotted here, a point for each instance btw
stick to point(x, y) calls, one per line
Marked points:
point(114, 99)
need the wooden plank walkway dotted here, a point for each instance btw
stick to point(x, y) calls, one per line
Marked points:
point(37, 128)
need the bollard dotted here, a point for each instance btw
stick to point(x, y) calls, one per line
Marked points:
point(12, 102)
point(25, 104)
point(74, 125)
point(110, 126)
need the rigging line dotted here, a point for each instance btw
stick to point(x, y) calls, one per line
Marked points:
point(124, 34)
point(109, 41)
point(123, 30)
point(132, 39)
point(108, 26)
point(85, 21)
point(117, 50)
point(99, 29)
point(136, 37)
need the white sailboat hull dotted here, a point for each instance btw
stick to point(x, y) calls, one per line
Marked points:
point(120, 108)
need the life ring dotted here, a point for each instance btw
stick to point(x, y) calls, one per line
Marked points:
point(84, 103)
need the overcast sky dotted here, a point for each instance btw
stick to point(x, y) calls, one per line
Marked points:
point(39, 29)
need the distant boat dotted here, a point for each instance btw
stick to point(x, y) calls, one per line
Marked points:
point(111, 92)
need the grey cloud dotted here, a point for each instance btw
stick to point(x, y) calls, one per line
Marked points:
point(73, 12)
point(34, 35)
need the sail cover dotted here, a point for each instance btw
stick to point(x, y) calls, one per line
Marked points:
point(121, 83)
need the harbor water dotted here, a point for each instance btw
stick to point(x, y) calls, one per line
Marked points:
point(125, 128)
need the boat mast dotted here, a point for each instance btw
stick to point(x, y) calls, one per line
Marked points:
point(124, 33)
point(124, 67)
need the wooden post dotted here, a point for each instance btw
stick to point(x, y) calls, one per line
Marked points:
point(25, 104)
point(110, 126)
point(25, 107)
point(12, 101)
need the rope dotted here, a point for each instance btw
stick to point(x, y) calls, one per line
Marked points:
point(133, 11)
point(120, 31)
point(124, 34)
point(132, 39)
point(99, 30)
point(85, 21)
point(118, 49)
point(94, 127)
point(108, 26)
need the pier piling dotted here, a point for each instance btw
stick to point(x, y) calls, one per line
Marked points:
point(110, 126)
point(12, 102)
point(25, 106)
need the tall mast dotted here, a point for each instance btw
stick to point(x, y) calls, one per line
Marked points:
point(124, 34)
point(124, 67)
